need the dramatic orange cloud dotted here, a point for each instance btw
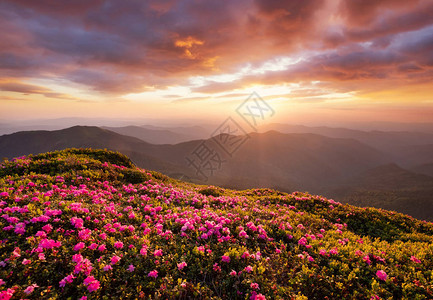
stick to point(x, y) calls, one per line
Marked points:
point(323, 54)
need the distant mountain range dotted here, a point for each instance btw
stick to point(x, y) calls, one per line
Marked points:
point(392, 170)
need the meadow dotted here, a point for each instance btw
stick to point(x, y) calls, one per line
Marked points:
point(88, 224)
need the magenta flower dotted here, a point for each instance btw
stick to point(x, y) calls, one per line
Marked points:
point(93, 246)
point(157, 253)
point(77, 258)
point(47, 228)
point(131, 268)
point(248, 269)
point(91, 283)
point(107, 268)
point(118, 245)
point(381, 275)
point(79, 246)
point(225, 258)
point(243, 234)
point(333, 251)
point(181, 265)
point(367, 260)
point(115, 259)
point(153, 274)
point(233, 273)
point(254, 286)
point(30, 289)
point(415, 260)
point(143, 251)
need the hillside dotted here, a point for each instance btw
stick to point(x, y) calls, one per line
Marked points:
point(301, 161)
point(389, 187)
point(153, 136)
point(335, 167)
point(388, 141)
point(88, 223)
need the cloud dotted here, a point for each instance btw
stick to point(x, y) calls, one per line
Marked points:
point(122, 47)
point(25, 89)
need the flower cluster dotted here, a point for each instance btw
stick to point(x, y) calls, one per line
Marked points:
point(87, 223)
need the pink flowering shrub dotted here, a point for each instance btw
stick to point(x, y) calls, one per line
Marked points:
point(88, 224)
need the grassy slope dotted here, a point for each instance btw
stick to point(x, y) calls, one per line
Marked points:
point(296, 245)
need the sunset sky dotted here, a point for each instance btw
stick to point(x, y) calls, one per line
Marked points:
point(312, 60)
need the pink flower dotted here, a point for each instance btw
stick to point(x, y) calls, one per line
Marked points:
point(107, 268)
point(93, 246)
point(414, 259)
point(131, 268)
point(102, 248)
point(91, 283)
point(181, 265)
point(77, 258)
point(26, 261)
point(254, 286)
point(84, 234)
point(333, 251)
point(47, 228)
point(303, 241)
point(243, 234)
point(322, 252)
point(153, 274)
point(143, 251)
point(118, 245)
point(30, 289)
point(366, 259)
point(216, 268)
point(115, 259)
point(77, 222)
point(233, 273)
point(67, 279)
point(2, 282)
point(248, 269)
point(225, 258)
point(79, 246)
point(6, 295)
point(157, 253)
point(381, 275)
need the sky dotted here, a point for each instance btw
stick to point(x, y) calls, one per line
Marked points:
point(312, 61)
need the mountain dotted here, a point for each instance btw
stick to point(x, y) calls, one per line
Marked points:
point(153, 136)
point(400, 145)
point(302, 160)
point(391, 176)
point(389, 187)
point(345, 169)
point(88, 223)
point(426, 169)
point(195, 132)
point(414, 155)
point(33, 142)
